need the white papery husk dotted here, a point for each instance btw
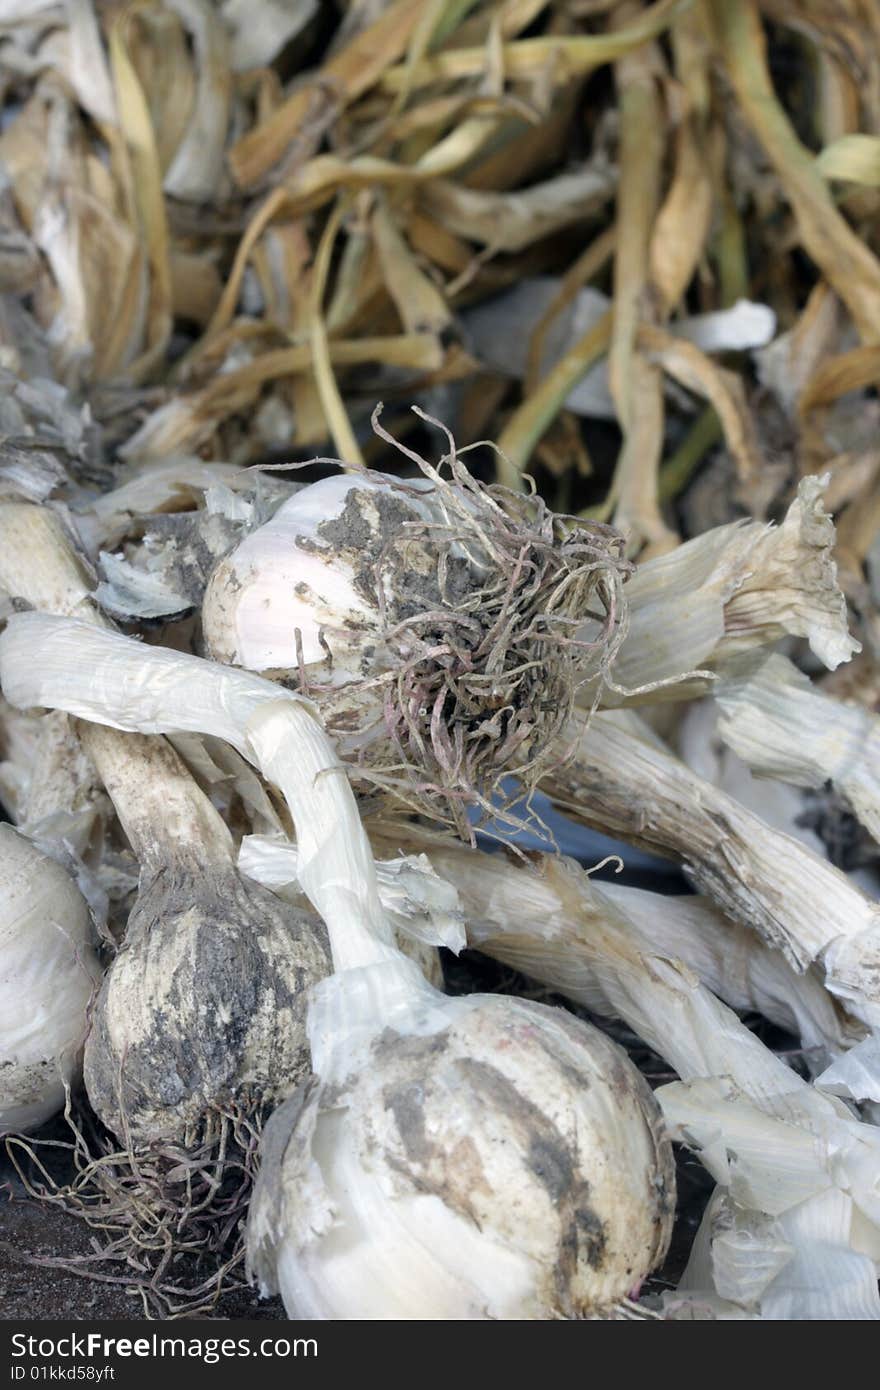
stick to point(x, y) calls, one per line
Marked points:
point(558, 1145)
point(422, 908)
point(699, 743)
point(781, 725)
point(855, 1075)
point(226, 777)
point(521, 919)
point(731, 589)
point(813, 1196)
point(49, 973)
point(51, 790)
point(168, 485)
point(417, 901)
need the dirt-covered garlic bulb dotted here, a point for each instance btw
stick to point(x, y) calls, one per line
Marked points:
point(48, 974)
point(205, 1004)
point(477, 1158)
point(442, 627)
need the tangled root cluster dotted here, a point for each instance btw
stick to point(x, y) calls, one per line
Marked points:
point(483, 680)
point(170, 1216)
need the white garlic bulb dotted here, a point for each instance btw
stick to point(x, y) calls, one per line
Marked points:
point(471, 1158)
point(441, 627)
point(48, 974)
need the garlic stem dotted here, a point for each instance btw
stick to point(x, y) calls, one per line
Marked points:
point(164, 813)
point(782, 726)
point(109, 679)
point(626, 786)
point(38, 562)
point(548, 919)
point(422, 907)
point(526, 917)
point(733, 588)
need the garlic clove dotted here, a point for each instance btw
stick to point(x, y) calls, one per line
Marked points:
point(286, 579)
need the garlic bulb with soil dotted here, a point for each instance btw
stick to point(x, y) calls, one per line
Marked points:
point(205, 1004)
point(516, 1166)
point(798, 1173)
point(469, 1158)
point(49, 973)
point(433, 621)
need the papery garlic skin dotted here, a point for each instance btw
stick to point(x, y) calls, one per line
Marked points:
point(48, 974)
point(296, 575)
point(475, 1158)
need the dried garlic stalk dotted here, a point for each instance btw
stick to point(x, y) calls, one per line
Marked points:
point(778, 722)
point(735, 587)
point(625, 785)
point(548, 938)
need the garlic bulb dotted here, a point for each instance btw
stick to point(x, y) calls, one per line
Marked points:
point(48, 974)
point(472, 1158)
point(433, 622)
point(774, 1143)
point(205, 1003)
point(526, 1172)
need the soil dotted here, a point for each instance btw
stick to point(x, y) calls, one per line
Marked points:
point(28, 1291)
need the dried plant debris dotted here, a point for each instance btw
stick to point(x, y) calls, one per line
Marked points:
point(168, 1215)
